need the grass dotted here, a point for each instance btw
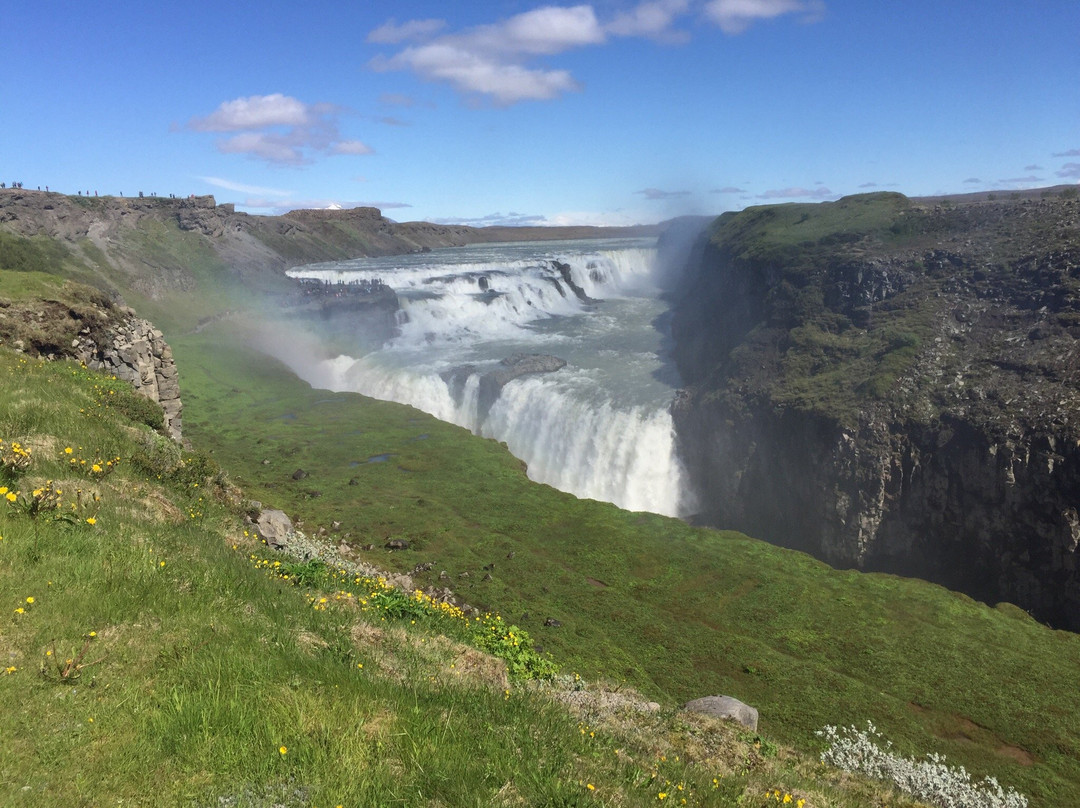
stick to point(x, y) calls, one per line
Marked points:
point(153, 654)
point(203, 668)
point(675, 611)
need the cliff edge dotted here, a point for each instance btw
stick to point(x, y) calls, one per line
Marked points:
point(893, 384)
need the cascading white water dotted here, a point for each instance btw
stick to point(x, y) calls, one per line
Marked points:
point(599, 427)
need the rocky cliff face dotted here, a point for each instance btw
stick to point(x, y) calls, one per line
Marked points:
point(892, 384)
point(80, 323)
point(135, 351)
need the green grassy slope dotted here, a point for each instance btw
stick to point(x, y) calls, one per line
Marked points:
point(152, 654)
point(676, 611)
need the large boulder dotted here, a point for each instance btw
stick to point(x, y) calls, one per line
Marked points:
point(725, 707)
point(274, 527)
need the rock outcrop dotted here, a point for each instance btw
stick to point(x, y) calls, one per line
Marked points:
point(79, 322)
point(137, 353)
point(894, 385)
point(725, 707)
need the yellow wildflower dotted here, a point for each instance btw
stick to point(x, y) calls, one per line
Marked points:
point(283, 749)
point(90, 520)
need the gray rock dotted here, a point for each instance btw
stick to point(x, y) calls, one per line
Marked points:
point(274, 527)
point(725, 707)
point(512, 367)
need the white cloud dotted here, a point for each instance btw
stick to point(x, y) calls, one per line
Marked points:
point(652, 18)
point(656, 193)
point(1069, 153)
point(229, 185)
point(350, 147)
point(493, 60)
point(472, 71)
point(542, 31)
point(278, 129)
point(391, 33)
point(265, 146)
point(253, 112)
point(735, 16)
point(1069, 171)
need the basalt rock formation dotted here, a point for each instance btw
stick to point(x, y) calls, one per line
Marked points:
point(80, 323)
point(894, 384)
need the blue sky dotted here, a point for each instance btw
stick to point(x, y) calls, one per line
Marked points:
point(518, 112)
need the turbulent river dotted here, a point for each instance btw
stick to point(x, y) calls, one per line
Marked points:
point(599, 427)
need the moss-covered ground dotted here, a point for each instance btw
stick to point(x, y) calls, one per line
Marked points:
point(676, 611)
point(153, 653)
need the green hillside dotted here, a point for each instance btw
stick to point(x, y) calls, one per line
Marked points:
point(164, 660)
point(154, 653)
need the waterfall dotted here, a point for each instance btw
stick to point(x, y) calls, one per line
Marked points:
point(599, 427)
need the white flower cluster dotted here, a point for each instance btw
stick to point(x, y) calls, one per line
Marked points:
point(928, 780)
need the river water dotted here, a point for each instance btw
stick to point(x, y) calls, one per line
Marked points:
point(599, 427)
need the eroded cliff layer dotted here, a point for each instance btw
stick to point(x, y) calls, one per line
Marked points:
point(892, 384)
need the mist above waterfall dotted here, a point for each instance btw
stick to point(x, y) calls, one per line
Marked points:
point(599, 427)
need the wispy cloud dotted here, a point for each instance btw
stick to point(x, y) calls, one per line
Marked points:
point(735, 16)
point(391, 33)
point(651, 19)
point(972, 181)
point(818, 192)
point(350, 147)
point(510, 219)
point(491, 60)
point(1069, 171)
point(1069, 153)
point(277, 129)
point(240, 187)
point(497, 61)
point(656, 193)
point(1020, 180)
point(729, 189)
point(1034, 168)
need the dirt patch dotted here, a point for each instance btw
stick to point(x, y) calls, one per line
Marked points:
point(310, 642)
point(597, 583)
point(483, 669)
point(1021, 756)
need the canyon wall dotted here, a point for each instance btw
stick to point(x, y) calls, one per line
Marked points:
point(892, 385)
